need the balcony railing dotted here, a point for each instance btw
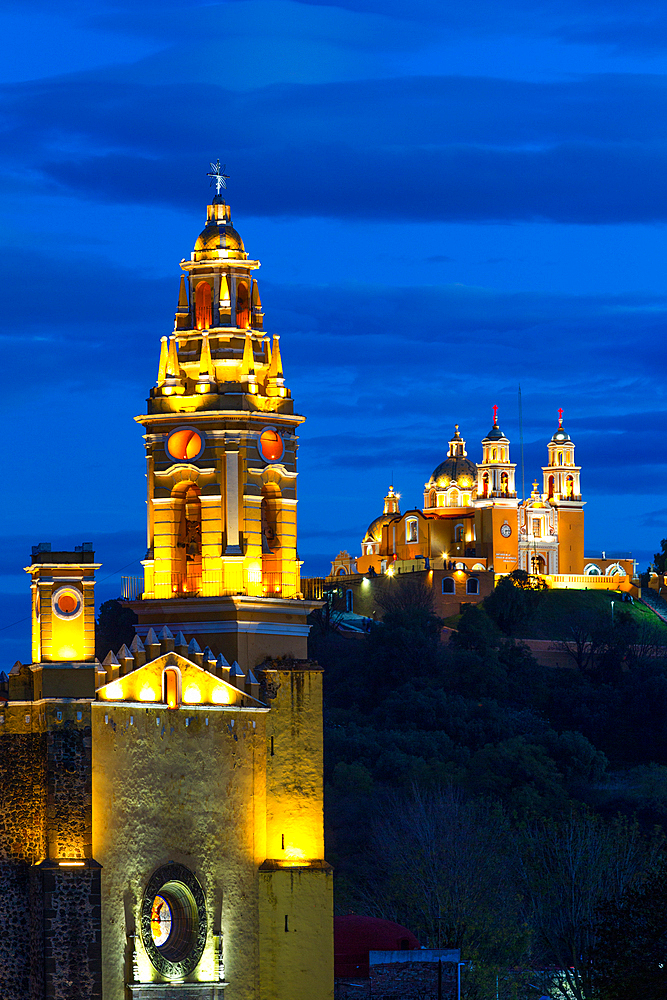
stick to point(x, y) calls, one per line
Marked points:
point(208, 584)
point(312, 588)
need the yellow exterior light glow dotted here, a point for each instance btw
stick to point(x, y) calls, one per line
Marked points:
point(147, 693)
point(71, 864)
point(68, 653)
point(220, 696)
point(192, 695)
point(114, 691)
point(294, 854)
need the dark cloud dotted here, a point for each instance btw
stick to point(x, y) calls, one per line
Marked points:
point(450, 148)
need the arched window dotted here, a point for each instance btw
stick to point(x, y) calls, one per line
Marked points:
point(448, 585)
point(458, 533)
point(369, 550)
point(187, 567)
point(615, 570)
point(431, 498)
point(592, 570)
point(349, 600)
point(559, 459)
point(453, 498)
point(242, 310)
point(504, 483)
point(478, 568)
point(569, 486)
point(411, 530)
point(171, 687)
point(551, 486)
point(485, 484)
point(472, 586)
point(203, 311)
point(342, 571)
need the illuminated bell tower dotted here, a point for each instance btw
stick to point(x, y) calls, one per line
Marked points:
point(562, 489)
point(221, 444)
point(561, 475)
point(498, 503)
point(495, 473)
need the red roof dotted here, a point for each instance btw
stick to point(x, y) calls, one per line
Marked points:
point(355, 936)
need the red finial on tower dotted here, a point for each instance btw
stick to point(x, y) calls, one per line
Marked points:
point(495, 415)
point(560, 417)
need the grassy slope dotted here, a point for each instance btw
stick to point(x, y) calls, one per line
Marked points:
point(556, 605)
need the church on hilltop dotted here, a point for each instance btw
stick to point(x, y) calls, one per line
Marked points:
point(161, 813)
point(473, 526)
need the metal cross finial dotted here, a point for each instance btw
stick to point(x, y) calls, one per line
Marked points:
point(495, 415)
point(560, 417)
point(218, 176)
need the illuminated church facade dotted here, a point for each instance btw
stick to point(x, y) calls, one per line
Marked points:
point(161, 814)
point(473, 526)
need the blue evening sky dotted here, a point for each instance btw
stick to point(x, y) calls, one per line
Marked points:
point(448, 199)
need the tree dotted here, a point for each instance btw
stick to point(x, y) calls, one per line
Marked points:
point(630, 957)
point(114, 626)
point(514, 600)
point(444, 866)
point(568, 871)
point(409, 637)
point(660, 558)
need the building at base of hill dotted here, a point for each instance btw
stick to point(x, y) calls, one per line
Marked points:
point(377, 958)
point(473, 527)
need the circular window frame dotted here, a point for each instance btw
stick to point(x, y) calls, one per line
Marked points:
point(185, 427)
point(270, 461)
point(157, 886)
point(67, 591)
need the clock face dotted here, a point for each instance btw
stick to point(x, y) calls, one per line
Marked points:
point(67, 603)
point(271, 445)
point(506, 530)
point(185, 444)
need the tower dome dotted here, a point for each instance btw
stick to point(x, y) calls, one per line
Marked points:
point(218, 239)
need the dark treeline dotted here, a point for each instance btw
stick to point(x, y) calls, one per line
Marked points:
point(492, 804)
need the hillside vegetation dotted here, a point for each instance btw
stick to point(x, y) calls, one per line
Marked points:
point(474, 736)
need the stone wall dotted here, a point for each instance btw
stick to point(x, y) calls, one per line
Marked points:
point(72, 935)
point(69, 817)
point(22, 843)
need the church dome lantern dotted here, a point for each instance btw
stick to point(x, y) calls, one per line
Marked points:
point(453, 482)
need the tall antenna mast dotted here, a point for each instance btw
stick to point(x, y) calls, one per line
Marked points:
point(523, 470)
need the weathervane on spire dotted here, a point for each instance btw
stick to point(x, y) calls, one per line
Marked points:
point(560, 417)
point(218, 176)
